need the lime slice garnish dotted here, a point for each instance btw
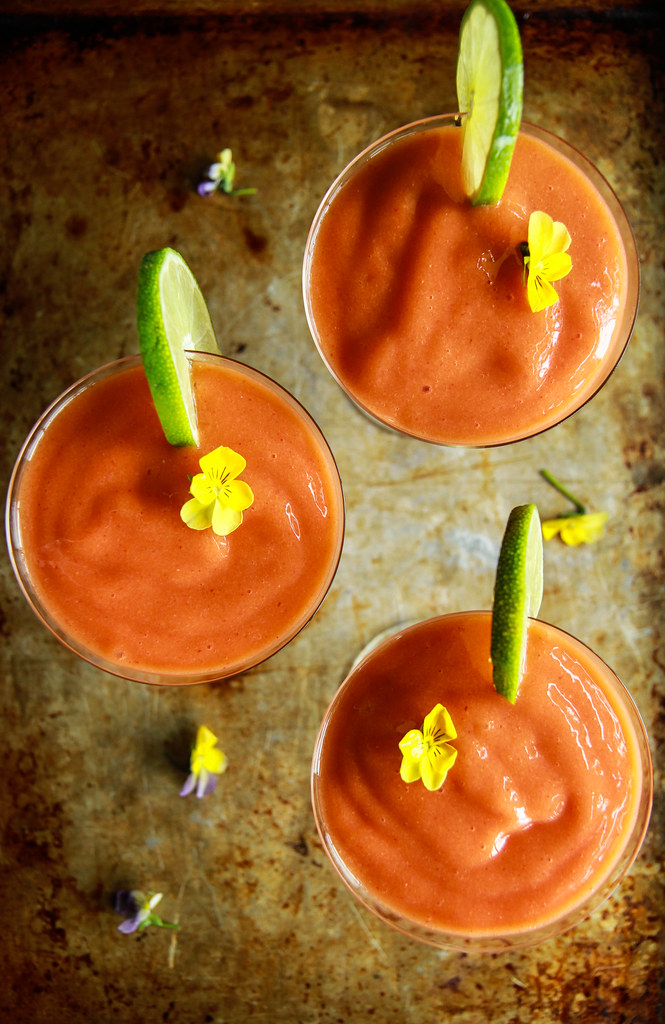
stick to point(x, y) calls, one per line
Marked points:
point(172, 318)
point(518, 591)
point(490, 79)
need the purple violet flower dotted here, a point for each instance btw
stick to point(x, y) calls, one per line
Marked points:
point(138, 909)
point(221, 176)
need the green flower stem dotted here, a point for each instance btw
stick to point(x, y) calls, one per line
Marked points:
point(581, 509)
point(153, 919)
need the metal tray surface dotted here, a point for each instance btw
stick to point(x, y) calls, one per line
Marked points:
point(109, 118)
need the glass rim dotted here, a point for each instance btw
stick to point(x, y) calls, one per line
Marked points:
point(22, 575)
point(495, 941)
point(616, 209)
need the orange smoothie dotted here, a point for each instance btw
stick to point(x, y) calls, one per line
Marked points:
point(416, 301)
point(102, 553)
point(541, 813)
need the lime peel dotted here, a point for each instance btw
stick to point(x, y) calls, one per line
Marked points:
point(518, 592)
point(490, 85)
point(172, 319)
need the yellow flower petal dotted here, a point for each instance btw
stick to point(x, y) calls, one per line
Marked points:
point(410, 768)
point(224, 519)
point(585, 529)
point(412, 743)
point(197, 515)
point(411, 746)
point(438, 725)
point(572, 535)
point(546, 236)
point(202, 489)
point(560, 238)
point(222, 463)
point(555, 267)
point(540, 292)
point(574, 530)
point(205, 737)
point(539, 233)
point(436, 764)
point(551, 527)
point(238, 495)
point(214, 760)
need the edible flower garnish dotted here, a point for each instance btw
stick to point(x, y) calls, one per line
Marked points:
point(219, 499)
point(221, 176)
point(427, 755)
point(138, 908)
point(578, 527)
point(545, 259)
point(206, 762)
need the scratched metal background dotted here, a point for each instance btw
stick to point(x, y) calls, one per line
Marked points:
point(109, 113)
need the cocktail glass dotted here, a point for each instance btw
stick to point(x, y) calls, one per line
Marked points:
point(504, 855)
point(306, 513)
point(437, 371)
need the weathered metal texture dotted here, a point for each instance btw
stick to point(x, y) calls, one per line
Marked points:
point(107, 126)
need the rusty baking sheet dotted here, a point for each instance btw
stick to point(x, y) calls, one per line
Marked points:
point(107, 126)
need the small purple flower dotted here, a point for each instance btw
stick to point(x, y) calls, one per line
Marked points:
point(207, 187)
point(138, 909)
point(221, 176)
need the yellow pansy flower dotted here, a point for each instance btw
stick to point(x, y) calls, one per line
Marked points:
point(219, 500)
point(576, 529)
point(427, 754)
point(546, 259)
point(207, 761)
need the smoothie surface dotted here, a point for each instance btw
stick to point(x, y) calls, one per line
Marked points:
point(418, 302)
point(116, 567)
point(533, 814)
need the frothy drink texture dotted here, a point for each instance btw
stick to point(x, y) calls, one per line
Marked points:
point(118, 570)
point(418, 303)
point(534, 814)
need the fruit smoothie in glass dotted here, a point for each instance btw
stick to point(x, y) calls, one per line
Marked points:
point(416, 299)
point(108, 564)
point(540, 815)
